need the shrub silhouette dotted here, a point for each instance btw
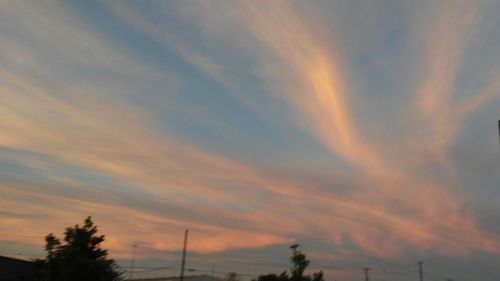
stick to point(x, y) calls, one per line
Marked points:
point(79, 257)
point(299, 263)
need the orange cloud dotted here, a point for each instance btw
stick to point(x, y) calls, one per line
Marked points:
point(227, 204)
point(316, 87)
point(440, 116)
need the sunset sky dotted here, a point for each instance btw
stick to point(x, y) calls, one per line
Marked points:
point(366, 131)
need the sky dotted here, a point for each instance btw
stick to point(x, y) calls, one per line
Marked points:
point(365, 131)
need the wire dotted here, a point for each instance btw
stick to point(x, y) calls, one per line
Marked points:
point(222, 272)
point(156, 269)
point(20, 255)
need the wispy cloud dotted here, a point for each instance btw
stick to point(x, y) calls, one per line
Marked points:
point(316, 87)
point(440, 114)
point(98, 127)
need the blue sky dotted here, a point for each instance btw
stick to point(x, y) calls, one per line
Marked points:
point(365, 131)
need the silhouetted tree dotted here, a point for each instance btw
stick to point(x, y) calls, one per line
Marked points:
point(299, 263)
point(231, 276)
point(273, 277)
point(79, 257)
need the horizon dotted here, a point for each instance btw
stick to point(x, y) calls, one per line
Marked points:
point(367, 132)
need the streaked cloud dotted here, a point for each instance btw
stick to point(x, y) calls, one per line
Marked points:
point(159, 117)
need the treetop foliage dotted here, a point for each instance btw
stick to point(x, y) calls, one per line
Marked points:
point(299, 263)
point(79, 257)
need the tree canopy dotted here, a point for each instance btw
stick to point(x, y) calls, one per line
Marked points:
point(78, 257)
point(299, 263)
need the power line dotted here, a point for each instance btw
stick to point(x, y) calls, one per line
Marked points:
point(147, 267)
point(20, 255)
point(373, 270)
point(222, 272)
point(259, 263)
point(400, 272)
point(157, 268)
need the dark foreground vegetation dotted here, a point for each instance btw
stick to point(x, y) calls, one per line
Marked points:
point(299, 263)
point(78, 257)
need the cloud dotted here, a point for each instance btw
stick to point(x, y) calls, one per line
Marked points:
point(317, 88)
point(72, 117)
point(440, 114)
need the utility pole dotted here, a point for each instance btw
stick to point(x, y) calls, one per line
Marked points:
point(421, 270)
point(184, 255)
point(367, 278)
point(133, 261)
